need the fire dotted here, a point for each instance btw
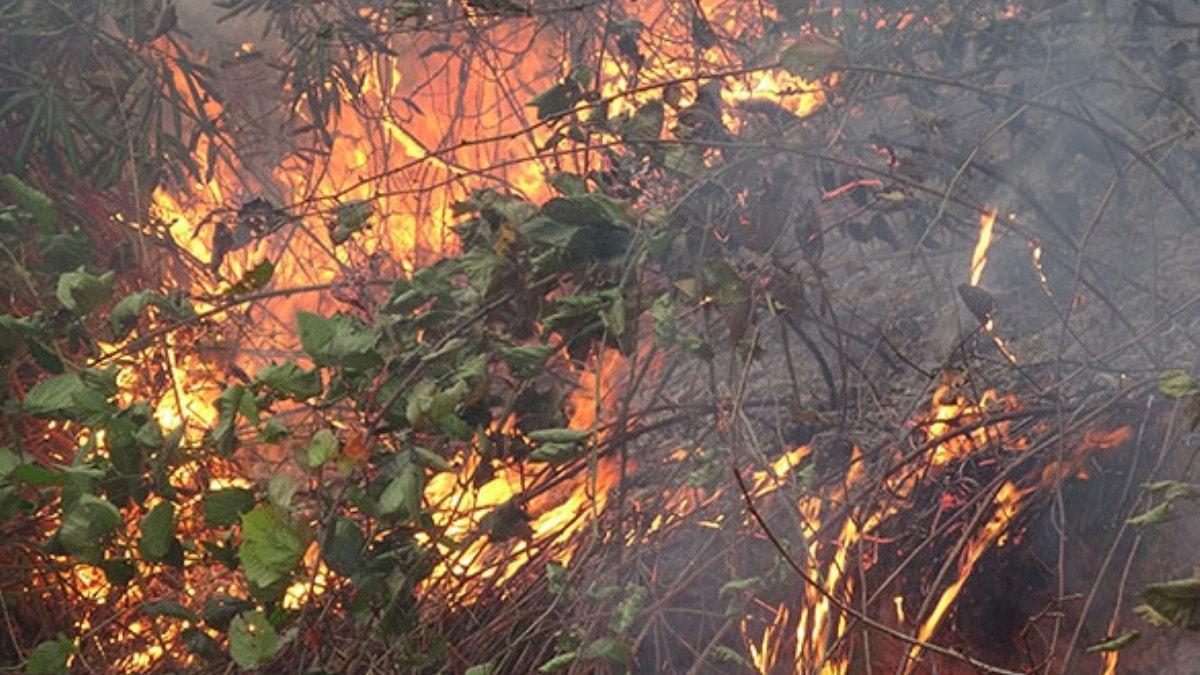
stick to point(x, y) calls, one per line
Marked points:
point(1007, 504)
point(987, 221)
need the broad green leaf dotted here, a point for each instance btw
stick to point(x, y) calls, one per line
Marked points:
point(607, 649)
point(488, 668)
point(50, 657)
point(127, 311)
point(36, 475)
point(158, 530)
point(645, 124)
point(82, 292)
point(219, 609)
point(1175, 603)
point(252, 640)
point(280, 490)
point(343, 548)
point(200, 643)
point(557, 100)
point(271, 546)
point(1115, 643)
point(558, 662)
point(626, 612)
point(321, 448)
point(431, 460)
point(1160, 513)
point(255, 278)
point(525, 361)
point(556, 453)
point(86, 524)
point(402, 496)
point(30, 200)
point(234, 401)
point(73, 396)
point(225, 507)
point(8, 462)
point(559, 435)
point(1177, 384)
point(338, 341)
point(568, 184)
point(349, 218)
point(290, 381)
point(171, 609)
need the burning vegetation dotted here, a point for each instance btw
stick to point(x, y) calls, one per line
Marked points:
point(493, 336)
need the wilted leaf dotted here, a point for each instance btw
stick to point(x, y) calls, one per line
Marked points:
point(568, 184)
point(488, 668)
point(252, 640)
point(1160, 513)
point(1115, 643)
point(271, 547)
point(525, 361)
point(157, 532)
point(223, 508)
point(290, 381)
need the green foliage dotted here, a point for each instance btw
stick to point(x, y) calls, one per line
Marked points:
point(157, 532)
point(223, 508)
point(50, 657)
point(252, 640)
point(271, 546)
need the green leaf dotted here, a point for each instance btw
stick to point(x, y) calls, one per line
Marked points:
point(1177, 384)
point(233, 401)
point(50, 657)
point(171, 609)
point(568, 184)
point(726, 655)
point(223, 508)
point(558, 662)
point(82, 292)
point(525, 361)
point(252, 640)
point(8, 462)
point(343, 548)
point(557, 100)
point(338, 341)
point(72, 396)
point(274, 431)
point(199, 643)
point(812, 57)
point(30, 200)
point(1160, 513)
point(255, 278)
point(290, 381)
point(271, 546)
point(1115, 643)
point(86, 524)
point(556, 453)
point(559, 435)
point(431, 460)
point(645, 124)
point(321, 448)
point(488, 668)
point(127, 311)
point(350, 218)
point(607, 649)
point(626, 612)
point(402, 496)
point(739, 585)
point(1172, 603)
point(36, 475)
point(158, 529)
